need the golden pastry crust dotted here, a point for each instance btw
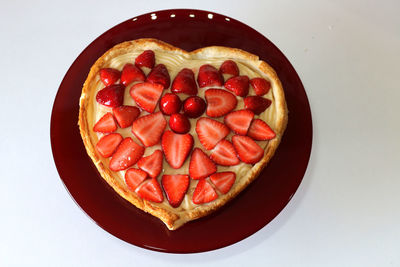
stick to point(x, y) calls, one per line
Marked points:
point(174, 220)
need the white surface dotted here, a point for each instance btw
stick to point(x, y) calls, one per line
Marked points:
point(346, 211)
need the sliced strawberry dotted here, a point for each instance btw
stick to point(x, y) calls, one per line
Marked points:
point(146, 95)
point(152, 164)
point(151, 191)
point(184, 82)
point(260, 85)
point(111, 96)
point(239, 85)
point(179, 123)
point(170, 104)
point(223, 181)
point(229, 67)
point(131, 73)
point(149, 128)
point(239, 121)
point(224, 154)
point(209, 76)
point(109, 76)
point(159, 74)
point(126, 155)
point(204, 193)
point(175, 187)
point(108, 144)
point(125, 115)
point(200, 166)
point(194, 106)
point(257, 104)
point(260, 130)
point(134, 177)
point(248, 150)
point(105, 124)
point(210, 132)
point(219, 102)
point(176, 148)
point(145, 59)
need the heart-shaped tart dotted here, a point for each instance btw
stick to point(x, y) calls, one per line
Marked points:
point(178, 134)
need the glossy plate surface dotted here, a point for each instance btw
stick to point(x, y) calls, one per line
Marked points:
point(252, 209)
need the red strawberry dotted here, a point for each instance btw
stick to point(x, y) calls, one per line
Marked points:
point(219, 102)
point(106, 124)
point(184, 82)
point(176, 148)
point(146, 95)
point(131, 73)
point(109, 76)
point(229, 67)
point(194, 106)
point(149, 128)
point(239, 121)
point(152, 164)
point(210, 132)
point(224, 154)
point(223, 181)
point(151, 191)
point(209, 76)
point(111, 96)
point(260, 130)
point(261, 86)
point(134, 177)
point(108, 144)
point(125, 115)
point(204, 193)
point(200, 166)
point(248, 150)
point(159, 74)
point(145, 59)
point(170, 104)
point(179, 123)
point(257, 104)
point(126, 155)
point(239, 85)
point(175, 187)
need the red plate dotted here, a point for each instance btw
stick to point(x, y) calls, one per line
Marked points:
point(252, 209)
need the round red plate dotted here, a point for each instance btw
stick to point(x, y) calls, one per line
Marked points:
point(252, 209)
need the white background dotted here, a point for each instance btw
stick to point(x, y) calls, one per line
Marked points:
point(346, 211)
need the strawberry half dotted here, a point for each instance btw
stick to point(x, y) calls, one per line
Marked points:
point(224, 154)
point(184, 83)
point(239, 85)
point(176, 148)
point(200, 166)
point(108, 144)
point(204, 193)
point(149, 128)
point(105, 124)
point(111, 96)
point(239, 121)
point(151, 191)
point(109, 76)
point(125, 115)
point(209, 76)
point(260, 130)
point(159, 74)
point(257, 104)
point(131, 73)
point(134, 177)
point(145, 59)
point(229, 67)
point(152, 164)
point(210, 132)
point(260, 85)
point(175, 187)
point(126, 155)
point(219, 102)
point(248, 150)
point(146, 95)
point(223, 181)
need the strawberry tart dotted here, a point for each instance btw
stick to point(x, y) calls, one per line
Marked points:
point(178, 134)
